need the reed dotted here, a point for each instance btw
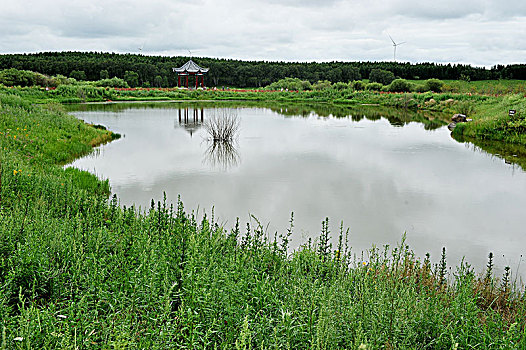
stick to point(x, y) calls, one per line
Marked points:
point(222, 125)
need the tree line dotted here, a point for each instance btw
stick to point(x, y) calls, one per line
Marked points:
point(156, 71)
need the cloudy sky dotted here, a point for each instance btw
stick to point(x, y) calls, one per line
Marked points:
point(478, 32)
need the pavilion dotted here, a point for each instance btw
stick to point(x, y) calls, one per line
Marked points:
point(191, 68)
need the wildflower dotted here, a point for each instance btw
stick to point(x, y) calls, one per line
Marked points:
point(18, 339)
point(14, 172)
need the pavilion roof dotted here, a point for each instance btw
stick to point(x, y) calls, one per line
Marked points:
point(190, 67)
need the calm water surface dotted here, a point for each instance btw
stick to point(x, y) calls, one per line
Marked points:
point(381, 180)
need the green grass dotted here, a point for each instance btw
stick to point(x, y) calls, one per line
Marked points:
point(78, 271)
point(486, 87)
point(492, 122)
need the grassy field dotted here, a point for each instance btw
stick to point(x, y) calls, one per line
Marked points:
point(79, 272)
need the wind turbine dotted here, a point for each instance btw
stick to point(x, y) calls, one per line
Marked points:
point(395, 45)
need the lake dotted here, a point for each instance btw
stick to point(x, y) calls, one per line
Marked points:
point(375, 169)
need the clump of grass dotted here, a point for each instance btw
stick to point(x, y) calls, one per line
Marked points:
point(222, 125)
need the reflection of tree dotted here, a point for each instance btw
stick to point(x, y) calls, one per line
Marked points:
point(222, 154)
point(510, 153)
point(395, 116)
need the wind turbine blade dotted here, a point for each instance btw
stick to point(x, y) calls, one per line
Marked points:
point(403, 42)
point(391, 39)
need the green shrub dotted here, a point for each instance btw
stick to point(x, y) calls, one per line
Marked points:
point(434, 85)
point(400, 85)
point(78, 75)
point(132, 78)
point(422, 88)
point(294, 84)
point(104, 74)
point(340, 86)
point(322, 85)
point(113, 82)
point(374, 87)
point(382, 76)
point(358, 85)
point(15, 77)
point(59, 79)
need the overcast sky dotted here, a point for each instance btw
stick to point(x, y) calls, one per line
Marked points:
point(478, 32)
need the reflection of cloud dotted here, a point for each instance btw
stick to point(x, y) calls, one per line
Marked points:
point(223, 155)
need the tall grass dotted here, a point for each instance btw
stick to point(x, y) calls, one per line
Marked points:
point(79, 271)
point(492, 121)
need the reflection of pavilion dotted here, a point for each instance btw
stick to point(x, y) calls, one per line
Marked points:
point(191, 120)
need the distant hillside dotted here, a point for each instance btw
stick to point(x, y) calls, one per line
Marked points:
point(157, 70)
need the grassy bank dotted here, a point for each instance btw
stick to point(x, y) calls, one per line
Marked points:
point(85, 93)
point(492, 122)
point(79, 272)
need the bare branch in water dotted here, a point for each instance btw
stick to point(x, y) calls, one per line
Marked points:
point(222, 126)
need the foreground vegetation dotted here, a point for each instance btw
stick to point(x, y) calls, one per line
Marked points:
point(78, 271)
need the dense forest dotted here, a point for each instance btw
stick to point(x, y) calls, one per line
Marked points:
point(157, 70)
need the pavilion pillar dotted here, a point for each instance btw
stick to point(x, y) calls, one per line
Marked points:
point(187, 81)
point(178, 80)
point(196, 78)
point(203, 80)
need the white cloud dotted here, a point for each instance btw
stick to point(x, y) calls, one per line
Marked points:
point(477, 32)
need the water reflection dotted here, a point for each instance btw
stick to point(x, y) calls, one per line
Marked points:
point(191, 121)
point(396, 117)
point(509, 153)
point(223, 155)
